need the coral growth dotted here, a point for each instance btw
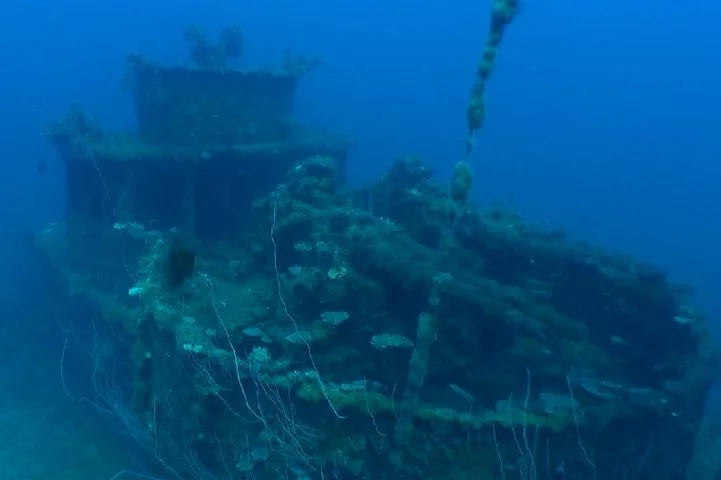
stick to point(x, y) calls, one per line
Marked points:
point(315, 330)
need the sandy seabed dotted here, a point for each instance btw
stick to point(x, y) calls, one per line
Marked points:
point(44, 434)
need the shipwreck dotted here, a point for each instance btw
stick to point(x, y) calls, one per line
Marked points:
point(272, 322)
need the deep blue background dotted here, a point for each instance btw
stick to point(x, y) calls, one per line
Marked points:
point(603, 117)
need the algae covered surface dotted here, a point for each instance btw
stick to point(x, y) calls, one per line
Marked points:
point(255, 316)
point(360, 330)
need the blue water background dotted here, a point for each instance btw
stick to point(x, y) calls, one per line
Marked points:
point(603, 117)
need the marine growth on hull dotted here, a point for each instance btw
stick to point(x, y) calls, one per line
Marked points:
point(267, 321)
